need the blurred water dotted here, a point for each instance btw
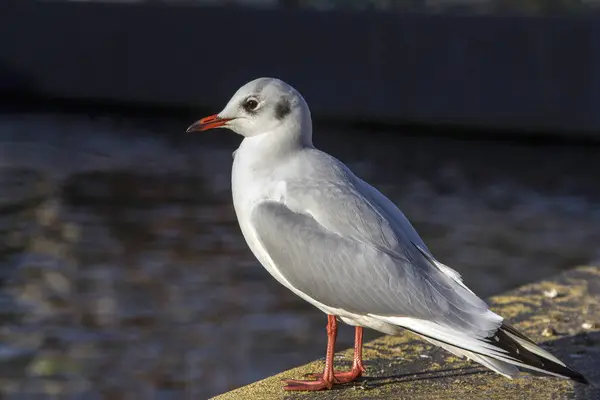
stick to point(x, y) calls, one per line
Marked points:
point(125, 274)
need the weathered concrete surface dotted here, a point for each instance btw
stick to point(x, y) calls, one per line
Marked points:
point(404, 367)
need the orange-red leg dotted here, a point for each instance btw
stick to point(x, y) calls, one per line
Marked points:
point(326, 379)
point(357, 363)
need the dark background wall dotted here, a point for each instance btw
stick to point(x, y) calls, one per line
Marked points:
point(520, 73)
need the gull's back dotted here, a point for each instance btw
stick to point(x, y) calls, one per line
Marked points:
point(374, 263)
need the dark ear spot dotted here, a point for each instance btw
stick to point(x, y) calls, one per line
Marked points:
point(282, 108)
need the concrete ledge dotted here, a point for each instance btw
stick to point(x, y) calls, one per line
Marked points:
point(402, 367)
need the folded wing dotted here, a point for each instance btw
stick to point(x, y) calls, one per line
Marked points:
point(346, 248)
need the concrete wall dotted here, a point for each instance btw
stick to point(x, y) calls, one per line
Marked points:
point(499, 72)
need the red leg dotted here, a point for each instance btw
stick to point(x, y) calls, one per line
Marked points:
point(325, 380)
point(357, 364)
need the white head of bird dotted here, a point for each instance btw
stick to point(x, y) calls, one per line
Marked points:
point(264, 106)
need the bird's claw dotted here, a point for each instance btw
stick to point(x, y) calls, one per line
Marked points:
point(319, 384)
point(341, 377)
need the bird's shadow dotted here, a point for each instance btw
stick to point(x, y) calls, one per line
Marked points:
point(580, 351)
point(379, 381)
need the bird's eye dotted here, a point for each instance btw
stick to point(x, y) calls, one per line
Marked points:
point(251, 104)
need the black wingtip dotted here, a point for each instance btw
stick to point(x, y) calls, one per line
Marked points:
point(577, 377)
point(534, 360)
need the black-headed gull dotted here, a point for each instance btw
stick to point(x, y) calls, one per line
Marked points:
point(341, 245)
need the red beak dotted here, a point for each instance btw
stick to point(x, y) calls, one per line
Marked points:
point(206, 123)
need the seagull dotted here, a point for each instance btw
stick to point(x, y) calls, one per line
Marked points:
point(341, 245)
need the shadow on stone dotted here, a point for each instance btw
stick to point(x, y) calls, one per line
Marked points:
point(580, 351)
point(425, 375)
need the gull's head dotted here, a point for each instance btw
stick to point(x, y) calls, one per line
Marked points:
point(264, 105)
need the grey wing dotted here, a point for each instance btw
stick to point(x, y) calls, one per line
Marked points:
point(391, 213)
point(346, 255)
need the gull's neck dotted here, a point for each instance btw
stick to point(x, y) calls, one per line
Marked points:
point(280, 142)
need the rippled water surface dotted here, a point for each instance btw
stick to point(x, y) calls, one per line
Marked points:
point(124, 273)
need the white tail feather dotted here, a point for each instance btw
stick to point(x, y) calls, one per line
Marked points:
point(501, 367)
point(484, 350)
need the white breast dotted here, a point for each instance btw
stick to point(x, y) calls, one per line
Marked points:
point(250, 186)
